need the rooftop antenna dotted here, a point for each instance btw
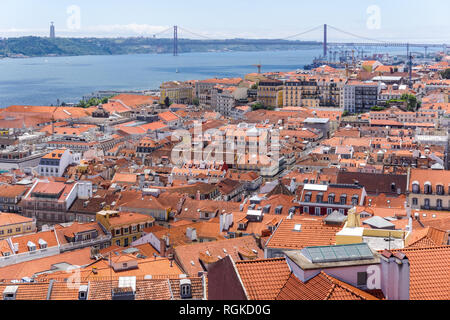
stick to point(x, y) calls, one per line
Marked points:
point(410, 70)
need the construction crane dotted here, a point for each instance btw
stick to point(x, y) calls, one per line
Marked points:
point(258, 66)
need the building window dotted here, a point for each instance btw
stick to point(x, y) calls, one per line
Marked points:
point(117, 242)
point(17, 229)
point(440, 189)
point(414, 201)
point(317, 211)
point(305, 209)
point(308, 197)
point(331, 198)
point(329, 210)
point(439, 204)
point(427, 188)
point(362, 278)
point(427, 203)
point(415, 188)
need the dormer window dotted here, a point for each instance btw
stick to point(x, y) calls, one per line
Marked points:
point(319, 198)
point(308, 197)
point(31, 246)
point(343, 199)
point(185, 289)
point(331, 198)
point(42, 244)
point(82, 292)
point(355, 200)
point(10, 293)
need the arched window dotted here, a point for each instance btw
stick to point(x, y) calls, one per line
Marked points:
point(427, 188)
point(415, 187)
point(331, 198)
point(343, 199)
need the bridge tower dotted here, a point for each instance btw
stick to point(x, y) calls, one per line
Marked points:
point(325, 40)
point(175, 40)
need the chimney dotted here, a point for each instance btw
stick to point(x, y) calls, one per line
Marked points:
point(197, 196)
point(191, 234)
point(395, 275)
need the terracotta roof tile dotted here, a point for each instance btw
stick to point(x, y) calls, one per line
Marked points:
point(263, 279)
point(313, 233)
point(429, 272)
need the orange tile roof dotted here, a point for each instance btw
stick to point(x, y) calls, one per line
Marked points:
point(126, 218)
point(11, 191)
point(29, 268)
point(429, 272)
point(12, 218)
point(157, 125)
point(195, 252)
point(321, 287)
point(313, 233)
point(28, 291)
point(124, 178)
point(155, 266)
point(168, 116)
point(433, 176)
point(134, 100)
point(427, 237)
point(263, 278)
point(47, 236)
point(54, 154)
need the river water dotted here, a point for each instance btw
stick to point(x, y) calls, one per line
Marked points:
point(43, 80)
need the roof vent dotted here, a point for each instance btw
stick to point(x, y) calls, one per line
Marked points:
point(297, 227)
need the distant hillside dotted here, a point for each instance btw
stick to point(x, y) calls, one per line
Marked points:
point(38, 46)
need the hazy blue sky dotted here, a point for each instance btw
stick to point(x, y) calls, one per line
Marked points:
point(409, 20)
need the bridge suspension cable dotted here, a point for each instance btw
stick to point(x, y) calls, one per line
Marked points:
point(196, 34)
point(161, 32)
point(358, 36)
point(302, 33)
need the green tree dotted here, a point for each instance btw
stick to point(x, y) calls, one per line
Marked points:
point(258, 105)
point(196, 102)
point(254, 86)
point(411, 101)
point(167, 102)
